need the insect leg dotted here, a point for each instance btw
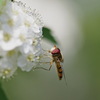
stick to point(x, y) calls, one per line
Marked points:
point(52, 61)
point(43, 67)
point(47, 51)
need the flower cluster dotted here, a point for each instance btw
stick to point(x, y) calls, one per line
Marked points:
point(20, 38)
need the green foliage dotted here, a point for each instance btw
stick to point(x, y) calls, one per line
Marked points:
point(2, 94)
point(47, 34)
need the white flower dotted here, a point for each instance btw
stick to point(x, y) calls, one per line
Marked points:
point(20, 38)
point(26, 62)
point(5, 6)
point(7, 67)
point(28, 59)
point(9, 41)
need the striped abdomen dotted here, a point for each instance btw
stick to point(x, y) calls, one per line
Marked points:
point(59, 70)
point(57, 57)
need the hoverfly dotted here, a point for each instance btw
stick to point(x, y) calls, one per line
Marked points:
point(56, 57)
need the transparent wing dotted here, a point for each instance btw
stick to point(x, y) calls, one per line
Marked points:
point(44, 61)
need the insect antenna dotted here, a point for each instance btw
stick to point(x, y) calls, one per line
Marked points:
point(65, 78)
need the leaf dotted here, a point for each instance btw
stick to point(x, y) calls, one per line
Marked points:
point(2, 94)
point(47, 34)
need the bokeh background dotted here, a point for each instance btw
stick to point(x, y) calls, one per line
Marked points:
point(75, 24)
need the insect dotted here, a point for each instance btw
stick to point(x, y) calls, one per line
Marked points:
point(56, 57)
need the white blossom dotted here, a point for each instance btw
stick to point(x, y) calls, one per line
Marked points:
point(8, 63)
point(26, 61)
point(20, 38)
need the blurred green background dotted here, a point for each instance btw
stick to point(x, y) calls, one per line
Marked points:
point(81, 61)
